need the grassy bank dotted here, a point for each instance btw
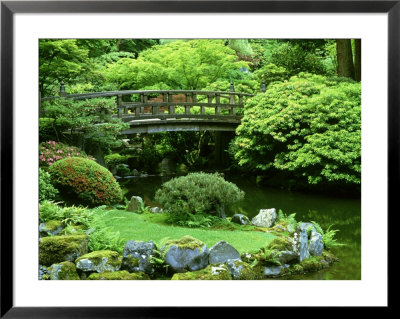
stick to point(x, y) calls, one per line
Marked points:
point(145, 228)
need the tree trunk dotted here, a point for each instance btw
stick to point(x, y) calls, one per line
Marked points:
point(357, 60)
point(344, 58)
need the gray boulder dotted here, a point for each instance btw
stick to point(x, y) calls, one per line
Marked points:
point(316, 246)
point(287, 255)
point(135, 204)
point(221, 252)
point(240, 219)
point(137, 255)
point(303, 245)
point(186, 253)
point(274, 270)
point(265, 218)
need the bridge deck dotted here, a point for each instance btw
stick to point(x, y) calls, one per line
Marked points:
point(157, 111)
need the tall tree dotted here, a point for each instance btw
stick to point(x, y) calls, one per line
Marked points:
point(60, 60)
point(357, 60)
point(344, 58)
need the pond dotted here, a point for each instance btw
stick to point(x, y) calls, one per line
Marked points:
point(343, 213)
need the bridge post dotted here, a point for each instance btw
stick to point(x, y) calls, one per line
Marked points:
point(165, 98)
point(119, 105)
point(155, 109)
point(217, 102)
point(145, 98)
point(171, 107)
point(232, 110)
point(187, 107)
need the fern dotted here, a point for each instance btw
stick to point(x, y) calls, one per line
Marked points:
point(318, 227)
point(329, 240)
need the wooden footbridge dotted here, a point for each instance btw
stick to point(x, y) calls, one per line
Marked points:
point(172, 110)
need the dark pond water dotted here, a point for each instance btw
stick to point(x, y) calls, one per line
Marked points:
point(343, 213)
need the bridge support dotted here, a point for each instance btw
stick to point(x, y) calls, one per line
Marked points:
point(221, 156)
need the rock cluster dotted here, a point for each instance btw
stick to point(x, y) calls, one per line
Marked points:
point(67, 257)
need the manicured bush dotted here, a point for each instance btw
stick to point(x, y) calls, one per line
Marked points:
point(46, 189)
point(308, 128)
point(112, 160)
point(197, 193)
point(85, 181)
point(52, 151)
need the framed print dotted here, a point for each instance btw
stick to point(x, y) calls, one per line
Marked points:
point(197, 154)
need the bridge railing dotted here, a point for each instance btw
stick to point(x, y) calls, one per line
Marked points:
point(163, 103)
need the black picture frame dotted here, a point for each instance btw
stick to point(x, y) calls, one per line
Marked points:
point(9, 8)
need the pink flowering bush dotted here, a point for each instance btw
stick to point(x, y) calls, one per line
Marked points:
point(52, 151)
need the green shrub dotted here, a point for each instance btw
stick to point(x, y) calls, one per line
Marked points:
point(122, 170)
point(85, 181)
point(308, 128)
point(271, 73)
point(46, 189)
point(112, 160)
point(197, 193)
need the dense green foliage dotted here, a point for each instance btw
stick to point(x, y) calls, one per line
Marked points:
point(46, 189)
point(86, 122)
point(85, 181)
point(271, 73)
point(176, 65)
point(197, 193)
point(309, 127)
point(59, 60)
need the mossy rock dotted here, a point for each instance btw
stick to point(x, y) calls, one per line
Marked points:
point(52, 227)
point(56, 249)
point(185, 242)
point(99, 261)
point(119, 275)
point(63, 271)
point(211, 272)
point(281, 243)
point(186, 253)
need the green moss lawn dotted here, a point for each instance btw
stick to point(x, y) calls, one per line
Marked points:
point(151, 227)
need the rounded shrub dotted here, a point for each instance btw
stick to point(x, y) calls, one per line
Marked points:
point(197, 193)
point(85, 181)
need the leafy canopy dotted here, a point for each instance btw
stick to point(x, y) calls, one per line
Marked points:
point(177, 65)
